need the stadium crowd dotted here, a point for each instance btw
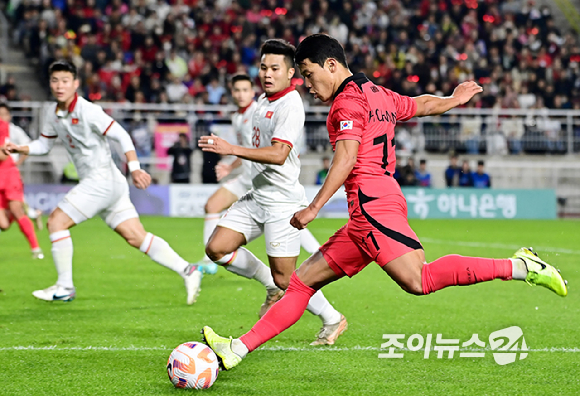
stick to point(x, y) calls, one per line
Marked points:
point(184, 50)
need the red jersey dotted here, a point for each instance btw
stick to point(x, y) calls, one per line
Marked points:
point(368, 113)
point(4, 135)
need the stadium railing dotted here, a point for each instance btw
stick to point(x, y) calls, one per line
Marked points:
point(469, 131)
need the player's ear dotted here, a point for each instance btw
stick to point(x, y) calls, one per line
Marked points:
point(331, 64)
point(291, 72)
point(76, 83)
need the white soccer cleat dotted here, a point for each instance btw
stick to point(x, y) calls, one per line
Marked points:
point(56, 293)
point(329, 333)
point(37, 254)
point(192, 277)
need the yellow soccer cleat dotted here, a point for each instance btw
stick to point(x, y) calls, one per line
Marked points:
point(222, 347)
point(541, 273)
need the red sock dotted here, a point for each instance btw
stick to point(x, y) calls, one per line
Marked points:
point(28, 230)
point(455, 270)
point(282, 315)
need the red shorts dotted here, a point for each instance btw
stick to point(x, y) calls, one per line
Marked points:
point(11, 188)
point(377, 230)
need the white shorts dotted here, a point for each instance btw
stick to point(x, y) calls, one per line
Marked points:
point(107, 198)
point(238, 186)
point(252, 220)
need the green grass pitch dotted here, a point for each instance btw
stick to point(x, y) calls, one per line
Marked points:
point(114, 339)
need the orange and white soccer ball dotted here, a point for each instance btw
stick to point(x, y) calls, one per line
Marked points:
point(192, 365)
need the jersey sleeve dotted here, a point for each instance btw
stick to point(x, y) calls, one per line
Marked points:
point(99, 121)
point(406, 106)
point(48, 130)
point(288, 125)
point(349, 119)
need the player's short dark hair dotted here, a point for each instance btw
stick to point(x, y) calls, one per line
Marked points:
point(318, 48)
point(62, 66)
point(279, 47)
point(241, 77)
point(5, 106)
point(480, 163)
point(423, 161)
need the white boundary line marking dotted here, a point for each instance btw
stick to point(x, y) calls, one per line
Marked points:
point(267, 349)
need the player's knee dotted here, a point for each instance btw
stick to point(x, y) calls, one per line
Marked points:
point(213, 251)
point(211, 207)
point(17, 210)
point(412, 286)
point(281, 281)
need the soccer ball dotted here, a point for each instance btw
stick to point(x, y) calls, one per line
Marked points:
point(192, 365)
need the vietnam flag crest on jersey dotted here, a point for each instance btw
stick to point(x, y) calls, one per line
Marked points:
point(269, 114)
point(75, 121)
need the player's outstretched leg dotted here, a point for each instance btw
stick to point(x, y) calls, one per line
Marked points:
point(26, 227)
point(160, 252)
point(316, 272)
point(62, 254)
point(454, 270)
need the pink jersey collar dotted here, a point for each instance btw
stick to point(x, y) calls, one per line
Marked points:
point(280, 94)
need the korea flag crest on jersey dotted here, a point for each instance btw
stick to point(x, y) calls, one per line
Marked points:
point(345, 125)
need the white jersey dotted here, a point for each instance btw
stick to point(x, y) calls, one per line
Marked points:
point(242, 123)
point(19, 137)
point(278, 118)
point(83, 129)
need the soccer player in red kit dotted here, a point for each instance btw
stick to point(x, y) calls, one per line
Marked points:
point(12, 195)
point(361, 126)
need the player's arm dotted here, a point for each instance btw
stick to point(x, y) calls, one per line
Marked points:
point(343, 161)
point(222, 169)
point(141, 179)
point(103, 124)
point(428, 105)
point(41, 146)
point(18, 136)
point(275, 154)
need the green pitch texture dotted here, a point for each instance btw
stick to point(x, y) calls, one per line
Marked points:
point(136, 308)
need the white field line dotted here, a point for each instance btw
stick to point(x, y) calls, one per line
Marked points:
point(266, 349)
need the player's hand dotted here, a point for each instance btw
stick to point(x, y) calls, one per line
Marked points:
point(222, 170)
point(215, 144)
point(11, 148)
point(141, 179)
point(301, 218)
point(466, 90)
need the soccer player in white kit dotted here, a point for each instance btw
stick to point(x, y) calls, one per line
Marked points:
point(243, 94)
point(103, 190)
point(276, 194)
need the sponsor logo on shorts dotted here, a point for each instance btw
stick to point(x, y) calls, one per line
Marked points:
point(345, 125)
point(275, 244)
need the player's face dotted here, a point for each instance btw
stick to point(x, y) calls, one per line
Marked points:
point(318, 80)
point(63, 86)
point(5, 115)
point(243, 93)
point(275, 75)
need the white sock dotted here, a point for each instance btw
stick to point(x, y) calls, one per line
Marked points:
point(319, 306)
point(242, 262)
point(160, 252)
point(62, 254)
point(239, 348)
point(209, 224)
point(308, 242)
point(519, 269)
